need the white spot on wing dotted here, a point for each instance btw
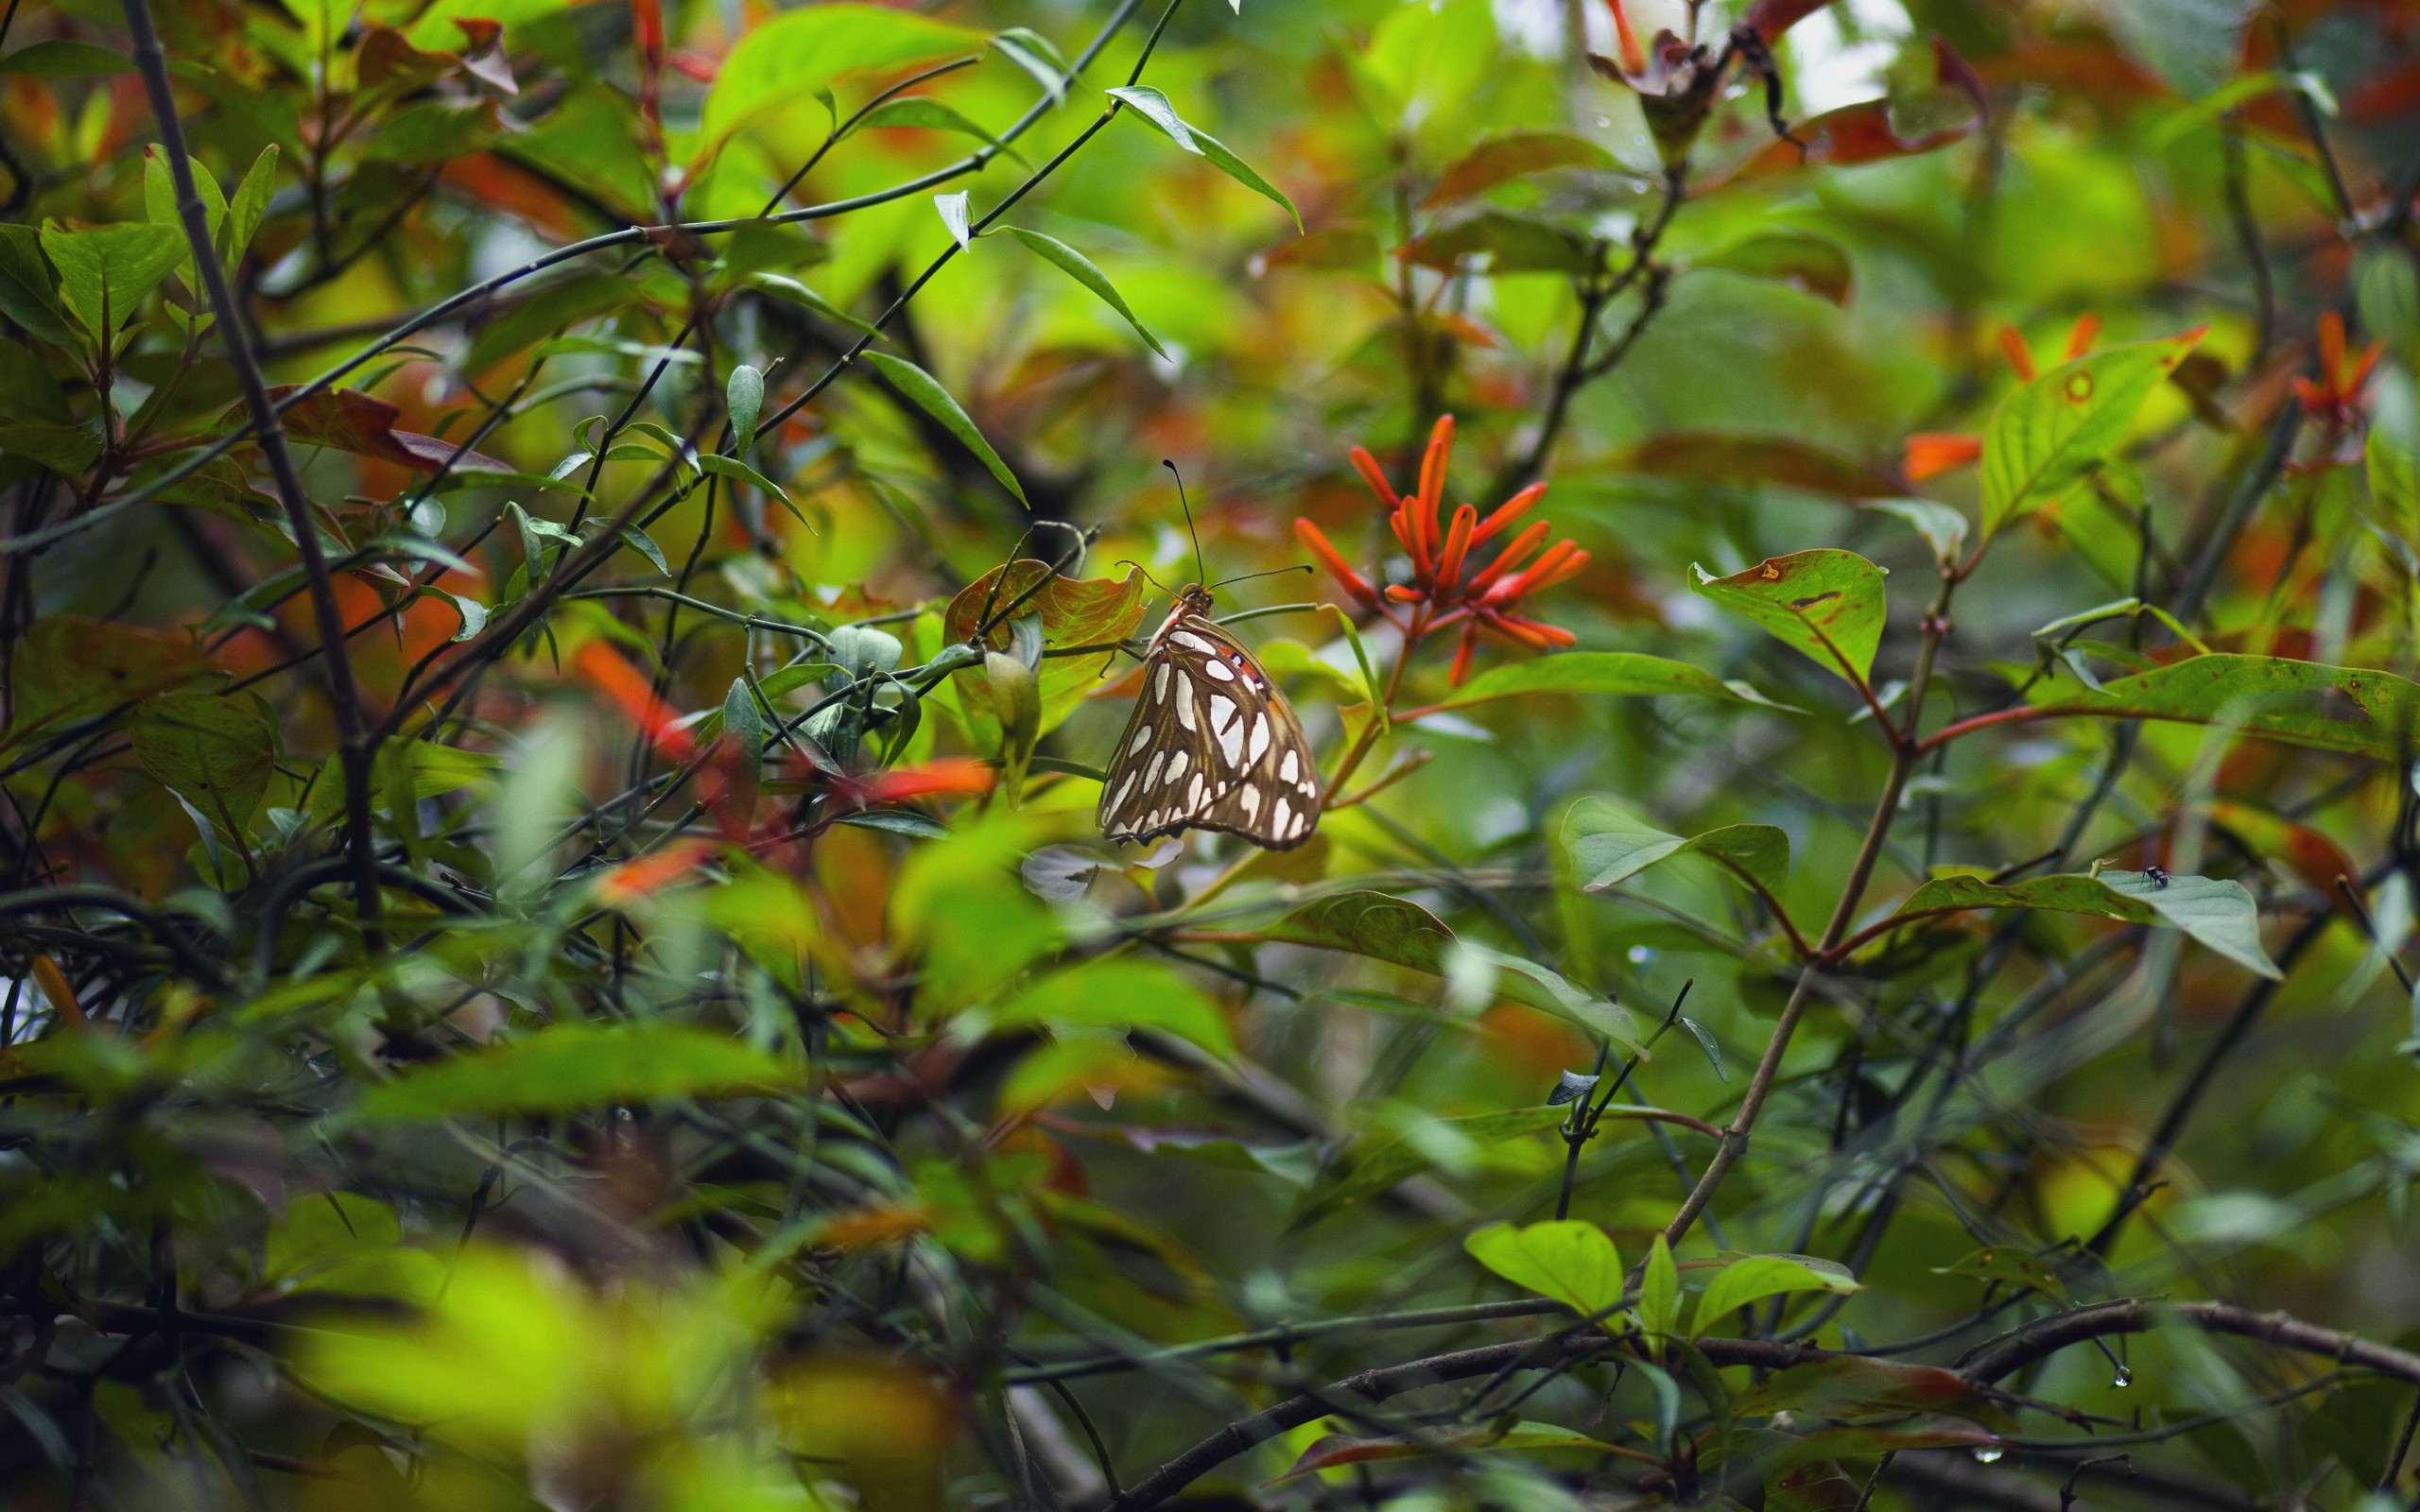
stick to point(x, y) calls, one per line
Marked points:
point(1218, 669)
point(1160, 682)
point(1249, 800)
point(1151, 773)
point(1231, 743)
point(1193, 794)
point(1259, 737)
point(1281, 817)
point(1193, 642)
point(1142, 738)
point(1123, 789)
point(1221, 709)
point(1287, 769)
point(1185, 714)
point(1176, 768)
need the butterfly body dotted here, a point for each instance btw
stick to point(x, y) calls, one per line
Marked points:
point(1212, 743)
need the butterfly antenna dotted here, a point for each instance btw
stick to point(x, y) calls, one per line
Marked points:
point(1273, 572)
point(1200, 568)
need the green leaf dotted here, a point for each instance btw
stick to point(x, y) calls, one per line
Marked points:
point(473, 613)
point(783, 287)
point(2218, 913)
point(1826, 603)
point(1741, 461)
point(2049, 434)
point(1243, 173)
point(1943, 527)
point(1374, 925)
point(1511, 243)
point(160, 203)
point(952, 209)
point(739, 471)
point(745, 723)
point(1608, 844)
point(1514, 155)
point(1035, 54)
point(1153, 106)
point(70, 668)
point(797, 51)
point(117, 265)
point(640, 542)
point(1754, 1279)
point(772, 685)
point(1568, 1260)
point(1381, 1165)
point(2015, 1266)
point(216, 752)
point(1541, 987)
point(1626, 673)
point(2393, 476)
point(1808, 263)
point(1338, 1449)
point(577, 1066)
point(927, 393)
point(249, 206)
point(28, 290)
point(60, 59)
point(1017, 702)
point(744, 399)
point(926, 114)
point(1079, 267)
point(2346, 708)
point(1659, 1291)
point(1120, 994)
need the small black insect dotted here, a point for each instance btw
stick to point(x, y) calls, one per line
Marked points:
point(2158, 876)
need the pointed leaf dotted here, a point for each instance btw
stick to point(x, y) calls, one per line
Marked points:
point(744, 399)
point(1805, 262)
point(1615, 673)
point(927, 393)
point(1608, 845)
point(952, 209)
point(1755, 1278)
point(1153, 106)
point(1079, 267)
point(1568, 1260)
point(1514, 155)
point(1827, 604)
point(2218, 913)
point(579, 1065)
point(2049, 434)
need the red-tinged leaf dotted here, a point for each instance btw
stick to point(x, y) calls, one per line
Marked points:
point(387, 60)
point(483, 54)
point(1849, 1388)
point(2095, 70)
point(348, 420)
point(71, 669)
point(1704, 456)
point(1819, 1485)
point(1514, 156)
point(1808, 263)
point(2386, 97)
point(602, 668)
point(2318, 859)
point(1773, 17)
point(1864, 1443)
point(634, 880)
point(1840, 139)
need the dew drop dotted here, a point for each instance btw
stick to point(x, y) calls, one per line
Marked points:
point(1604, 120)
point(2124, 1378)
point(1641, 955)
point(1985, 1457)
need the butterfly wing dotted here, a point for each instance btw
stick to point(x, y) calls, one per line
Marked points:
point(1212, 744)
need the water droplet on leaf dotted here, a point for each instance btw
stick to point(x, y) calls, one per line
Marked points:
point(2124, 1378)
point(1985, 1457)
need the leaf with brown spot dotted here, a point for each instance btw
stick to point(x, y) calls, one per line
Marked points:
point(1827, 604)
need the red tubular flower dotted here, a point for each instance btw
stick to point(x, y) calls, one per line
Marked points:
point(1929, 454)
point(1458, 544)
point(1315, 540)
point(2013, 347)
point(2080, 340)
point(1510, 556)
point(1438, 594)
point(1512, 510)
point(1633, 57)
point(944, 777)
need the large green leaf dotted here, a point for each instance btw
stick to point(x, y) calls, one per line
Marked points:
point(581, 1065)
point(110, 268)
point(1120, 994)
point(70, 668)
point(28, 289)
point(1154, 107)
point(2356, 709)
point(935, 401)
point(2218, 913)
point(1609, 845)
point(1568, 1261)
point(1828, 604)
point(217, 754)
point(1621, 674)
point(60, 59)
point(1547, 991)
point(1738, 461)
point(2047, 435)
point(1757, 1276)
point(1368, 923)
point(812, 48)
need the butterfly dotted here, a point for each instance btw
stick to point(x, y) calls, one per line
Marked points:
point(1212, 743)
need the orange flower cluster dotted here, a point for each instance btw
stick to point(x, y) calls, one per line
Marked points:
point(1439, 593)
